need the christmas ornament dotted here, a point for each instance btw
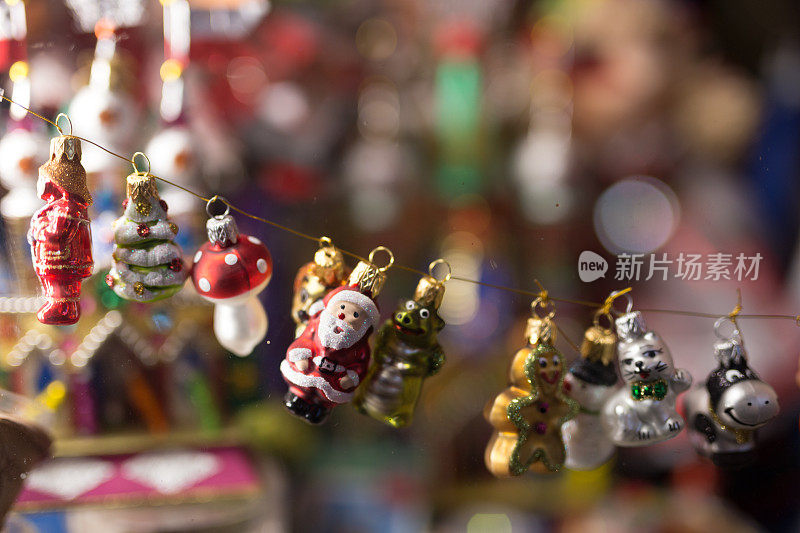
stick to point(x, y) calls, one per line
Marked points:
point(231, 270)
point(590, 381)
point(725, 412)
point(60, 234)
point(24, 441)
point(314, 280)
point(147, 262)
point(528, 416)
point(643, 411)
point(172, 153)
point(327, 362)
point(406, 351)
point(20, 151)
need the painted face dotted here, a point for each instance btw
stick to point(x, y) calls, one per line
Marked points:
point(416, 322)
point(743, 401)
point(351, 313)
point(548, 369)
point(645, 358)
point(588, 395)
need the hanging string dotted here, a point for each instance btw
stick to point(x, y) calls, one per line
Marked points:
point(542, 293)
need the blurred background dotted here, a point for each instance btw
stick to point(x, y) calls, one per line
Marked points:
point(504, 136)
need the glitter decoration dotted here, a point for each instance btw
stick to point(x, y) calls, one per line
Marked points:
point(143, 230)
point(176, 265)
point(110, 280)
point(138, 288)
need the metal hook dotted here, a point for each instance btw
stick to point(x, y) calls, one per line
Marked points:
point(136, 169)
point(735, 335)
point(388, 252)
point(60, 131)
point(325, 242)
point(434, 264)
point(217, 198)
point(541, 304)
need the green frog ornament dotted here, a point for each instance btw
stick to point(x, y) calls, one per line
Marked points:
point(406, 352)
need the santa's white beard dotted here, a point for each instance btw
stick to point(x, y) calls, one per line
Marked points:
point(346, 337)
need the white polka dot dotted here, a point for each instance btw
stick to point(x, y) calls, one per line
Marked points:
point(253, 240)
point(204, 285)
point(231, 259)
point(261, 265)
point(198, 255)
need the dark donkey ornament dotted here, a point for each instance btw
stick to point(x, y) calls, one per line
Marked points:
point(724, 413)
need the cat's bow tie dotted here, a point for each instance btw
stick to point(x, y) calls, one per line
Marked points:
point(649, 390)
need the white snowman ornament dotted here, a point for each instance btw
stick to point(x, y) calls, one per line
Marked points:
point(642, 411)
point(590, 381)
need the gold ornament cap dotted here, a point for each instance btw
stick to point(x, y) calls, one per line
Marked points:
point(430, 292)
point(599, 345)
point(328, 264)
point(540, 330)
point(368, 277)
point(64, 167)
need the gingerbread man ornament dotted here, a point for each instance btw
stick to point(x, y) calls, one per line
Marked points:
point(528, 415)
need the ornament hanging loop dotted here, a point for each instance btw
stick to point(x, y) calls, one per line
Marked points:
point(540, 306)
point(325, 242)
point(734, 335)
point(58, 117)
point(432, 268)
point(388, 252)
point(135, 166)
point(213, 200)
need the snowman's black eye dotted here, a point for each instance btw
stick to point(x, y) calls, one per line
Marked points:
point(342, 307)
point(542, 362)
point(355, 314)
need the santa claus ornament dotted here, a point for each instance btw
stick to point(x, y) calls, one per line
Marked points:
point(528, 416)
point(147, 262)
point(60, 234)
point(314, 280)
point(231, 270)
point(406, 352)
point(590, 381)
point(327, 362)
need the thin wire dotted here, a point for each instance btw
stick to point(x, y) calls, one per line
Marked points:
point(541, 294)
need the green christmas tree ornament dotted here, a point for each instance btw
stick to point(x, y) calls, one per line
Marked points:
point(147, 263)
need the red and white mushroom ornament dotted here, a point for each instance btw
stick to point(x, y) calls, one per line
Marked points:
point(231, 270)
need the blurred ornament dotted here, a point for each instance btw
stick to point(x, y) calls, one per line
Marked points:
point(528, 416)
point(316, 279)
point(21, 150)
point(590, 382)
point(60, 232)
point(104, 113)
point(406, 351)
point(642, 411)
point(24, 441)
point(326, 363)
point(147, 262)
point(726, 411)
point(231, 270)
point(173, 154)
point(122, 13)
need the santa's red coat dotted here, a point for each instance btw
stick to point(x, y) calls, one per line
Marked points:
point(319, 383)
point(61, 239)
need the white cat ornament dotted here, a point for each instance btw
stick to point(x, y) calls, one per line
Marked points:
point(642, 411)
